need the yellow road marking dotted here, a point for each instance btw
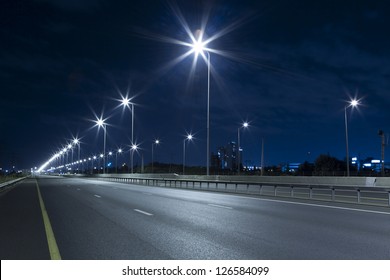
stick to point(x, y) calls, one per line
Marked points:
point(51, 240)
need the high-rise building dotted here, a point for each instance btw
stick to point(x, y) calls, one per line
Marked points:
point(226, 157)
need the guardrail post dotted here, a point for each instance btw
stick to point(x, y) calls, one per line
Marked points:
point(260, 188)
point(275, 190)
point(358, 196)
point(292, 191)
point(389, 199)
point(311, 193)
point(333, 194)
point(208, 184)
point(235, 190)
point(247, 188)
point(226, 186)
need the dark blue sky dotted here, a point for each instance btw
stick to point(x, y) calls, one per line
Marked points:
point(290, 70)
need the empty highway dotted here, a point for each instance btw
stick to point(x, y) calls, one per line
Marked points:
point(93, 219)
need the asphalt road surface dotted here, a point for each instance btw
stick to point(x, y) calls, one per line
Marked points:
point(93, 219)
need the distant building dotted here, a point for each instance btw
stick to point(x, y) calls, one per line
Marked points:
point(226, 157)
point(290, 167)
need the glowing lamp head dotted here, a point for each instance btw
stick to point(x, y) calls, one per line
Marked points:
point(245, 124)
point(100, 122)
point(125, 101)
point(354, 103)
point(189, 137)
point(157, 142)
point(198, 45)
point(120, 150)
point(134, 147)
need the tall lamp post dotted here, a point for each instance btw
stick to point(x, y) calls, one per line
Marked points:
point(126, 103)
point(93, 164)
point(188, 138)
point(101, 157)
point(244, 125)
point(100, 123)
point(109, 154)
point(156, 142)
point(353, 103)
point(77, 142)
point(383, 145)
point(199, 47)
point(116, 159)
point(69, 146)
point(133, 148)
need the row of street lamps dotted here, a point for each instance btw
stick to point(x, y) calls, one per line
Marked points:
point(198, 47)
point(100, 122)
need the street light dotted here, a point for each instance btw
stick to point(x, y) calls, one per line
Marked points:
point(116, 159)
point(126, 102)
point(133, 148)
point(353, 103)
point(156, 142)
point(68, 147)
point(188, 138)
point(93, 164)
point(101, 157)
point(76, 141)
point(109, 154)
point(89, 160)
point(100, 123)
point(244, 125)
point(199, 47)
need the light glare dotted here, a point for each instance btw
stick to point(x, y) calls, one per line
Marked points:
point(354, 103)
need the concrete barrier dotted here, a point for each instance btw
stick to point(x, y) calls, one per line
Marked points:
point(4, 185)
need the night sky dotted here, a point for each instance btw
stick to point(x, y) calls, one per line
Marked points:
point(289, 68)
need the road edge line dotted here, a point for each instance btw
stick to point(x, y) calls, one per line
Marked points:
point(51, 240)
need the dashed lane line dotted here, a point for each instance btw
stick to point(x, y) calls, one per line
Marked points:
point(220, 206)
point(143, 212)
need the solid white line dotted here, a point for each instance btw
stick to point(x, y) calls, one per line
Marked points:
point(220, 206)
point(143, 212)
point(318, 205)
point(98, 196)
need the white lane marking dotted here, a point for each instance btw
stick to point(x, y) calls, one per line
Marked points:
point(147, 193)
point(143, 212)
point(98, 196)
point(318, 205)
point(220, 206)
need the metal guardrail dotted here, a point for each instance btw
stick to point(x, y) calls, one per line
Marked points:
point(378, 196)
point(7, 184)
